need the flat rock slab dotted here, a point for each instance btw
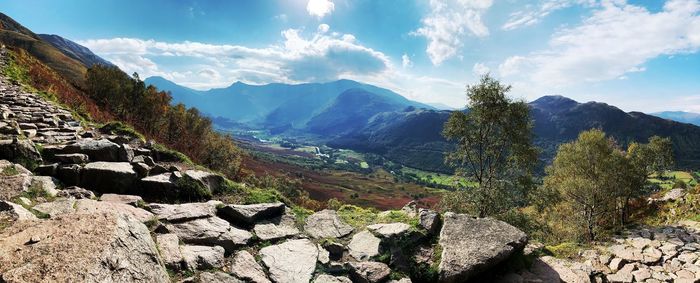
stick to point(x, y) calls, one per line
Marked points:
point(212, 231)
point(249, 214)
point(15, 211)
point(389, 230)
point(97, 150)
point(218, 277)
point(326, 224)
point(92, 206)
point(245, 267)
point(80, 248)
point(203, 257)
point(364, 245)
point(125, 199)
point(108, 177)
point(290, 262)
point(471, 245)
point(57, 207)
point(279, 228)
point(169, 247)
point(185, 211)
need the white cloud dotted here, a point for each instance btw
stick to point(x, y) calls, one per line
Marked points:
point(615, 40)
point(448, 22)
point(320, 8)
point(406, 61)
point(323, 28)
point(480, 69)
point(531, 16)
point(320, 57)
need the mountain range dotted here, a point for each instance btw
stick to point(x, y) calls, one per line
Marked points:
point(349, 114)
point(680, 116)
point(74, 50)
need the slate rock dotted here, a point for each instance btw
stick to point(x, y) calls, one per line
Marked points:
point(108, 177)
point(326, 224)
point(245, 267)
point(291, 261)
point(364, 245)
point(248, 214)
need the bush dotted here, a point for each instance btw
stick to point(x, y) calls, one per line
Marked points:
point(356, 216)
point(680, 184)
point(119, 128)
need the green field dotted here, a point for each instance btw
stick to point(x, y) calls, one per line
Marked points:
point(438, 178)
point(668, 179)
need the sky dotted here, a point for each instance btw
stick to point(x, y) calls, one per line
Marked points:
point(637, 55)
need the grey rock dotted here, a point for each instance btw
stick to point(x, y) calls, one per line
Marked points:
point(245, 267)
point(108, 177)
point(160, 186)
point(429, 220)
point(125, 199)
point(213, 182)
point(472, 245)
point(210, 231)
point(218, 277)
point(281, 227)
point(674, 194)
point(291, 261)
point(47, 184)
point(169, 247)
point(57, 207)
point(364, 245)
point(389, 230)
point(69, 174)
point(334, 249)
point(89, 206)
point(185, 211)
point(326, 224)
point(144, 159)
point(20, 151)
point(76, 192)
point(74, 158)
point(202, 257)
point(369, 272)
point(15, 211)
point(97, 150)
point(249, 214)
point(325, 278)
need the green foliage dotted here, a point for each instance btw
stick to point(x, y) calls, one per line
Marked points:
point(257, 195)
point(356, 216)
point(392, 216)
point(170, 154)
point(191, 189)
point(16, 73)
point(120, 128)
point(494, 148)
point(680, 184)
point(9, 171)
point(300, 214)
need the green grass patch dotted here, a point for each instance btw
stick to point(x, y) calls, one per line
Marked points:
point(257, 195)
point(356, 216)
point(300, 214)
point(167, 154)
point(191, 189)
point(119, 128)
point(568, 250)
point(10, 171)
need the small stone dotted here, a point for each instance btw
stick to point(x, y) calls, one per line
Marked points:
point(326, 224)
point(389, 230)
point(369, 272)
point(203, 257)
point(364, 245)
point(325, 278)
point(76, 192)
point(245, 267)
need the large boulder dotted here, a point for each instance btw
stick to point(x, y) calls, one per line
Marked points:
point(248, 214)
point(20, 151)
point(14, 179)
point(291, 261)
point(211, 231)
point(80, 248)
point(92, 206)
point(169, 247)
point(278, 228)
point(326, 224)
point(160, 186)
point(213, 182)
point(108, 177)
point(97, 150)
point(471, 245)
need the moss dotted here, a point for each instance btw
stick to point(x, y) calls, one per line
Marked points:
point(356, 216)
point(40, 214)
point(120, 128)
point(393, 216)
point(9, 171)
point(166, 153)
point(152, 223)
point(229, 187)
point(191, 189)
point(564, 250)
point(256, 195)
point(300, 214)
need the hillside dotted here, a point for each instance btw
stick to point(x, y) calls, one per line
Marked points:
point(414, 138)
point(272, 105)
point(15, 35)
point(680, 116)
point(74, 50)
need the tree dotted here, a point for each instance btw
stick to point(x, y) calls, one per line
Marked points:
point(493, 148)
point(586, 174)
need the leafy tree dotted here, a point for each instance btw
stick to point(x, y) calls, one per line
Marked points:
point(655, 157)
point(585, 173)
point(493, 147)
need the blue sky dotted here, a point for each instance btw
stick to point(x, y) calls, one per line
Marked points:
point(637, 55)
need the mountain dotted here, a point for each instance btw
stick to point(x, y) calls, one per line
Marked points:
point(16, 36)
point(280, 105)
point(441, 106)
point(680, 116)
point(413, 138)
point(74, 50)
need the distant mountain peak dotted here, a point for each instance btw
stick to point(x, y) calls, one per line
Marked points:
point(554, 103)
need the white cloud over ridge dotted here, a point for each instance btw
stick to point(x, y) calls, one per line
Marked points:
point(321, 57)
point(532, 16)
point(617, 39)
point(448, 22)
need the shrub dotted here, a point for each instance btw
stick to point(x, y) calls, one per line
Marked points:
point(119, 128)
point(680, 184)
